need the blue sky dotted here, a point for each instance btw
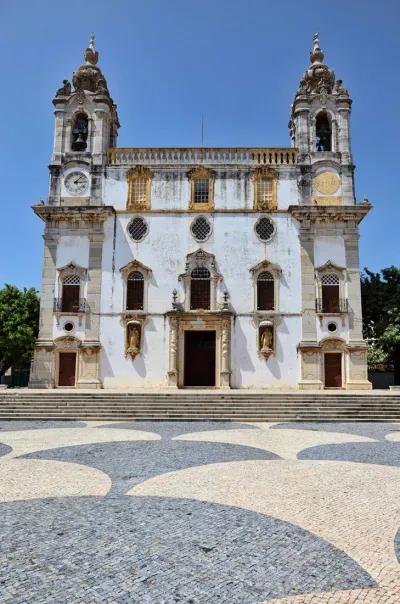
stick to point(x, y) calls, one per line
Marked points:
point(238, 63)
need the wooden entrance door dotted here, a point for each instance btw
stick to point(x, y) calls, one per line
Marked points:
point(67, 369)
point(333, 370)
point(199, 358)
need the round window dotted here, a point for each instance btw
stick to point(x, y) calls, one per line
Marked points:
point(68, 327)
point(138, 229)
point(332, 327)
point(265, 229)
point(200, 228)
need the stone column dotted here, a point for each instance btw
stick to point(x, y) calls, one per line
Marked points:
point(357, 377)
point(42, 366)
point(173, 353)
point(309, 349)
point(225, 366)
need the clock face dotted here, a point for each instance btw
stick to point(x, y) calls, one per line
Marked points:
point(76, 183)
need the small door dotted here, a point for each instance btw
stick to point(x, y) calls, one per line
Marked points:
point(333, 370)
point(67, 369)
point(199, 358)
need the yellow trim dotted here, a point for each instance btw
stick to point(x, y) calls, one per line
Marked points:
point(197, 174)
point(132, 176)
point(269, 174)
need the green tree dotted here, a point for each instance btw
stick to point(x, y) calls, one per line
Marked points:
point(381, 311)
point(19, 325)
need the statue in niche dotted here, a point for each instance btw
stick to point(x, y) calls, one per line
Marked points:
point(133, 339)
point(65, 89)
point(267, 339)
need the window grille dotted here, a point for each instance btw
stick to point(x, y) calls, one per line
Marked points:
point(135, 291)
point(138, 229)
point(200, 228)
point(201, 190)
point(264, 191)
point(139, 192)
point(200, 289)
point(265, 291)
point(71, 280)
point(264, 229)
point(330, 280)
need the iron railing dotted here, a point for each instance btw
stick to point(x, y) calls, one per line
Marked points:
point(331, 306)
point(69, 306)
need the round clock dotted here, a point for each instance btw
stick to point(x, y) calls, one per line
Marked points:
point(76, 183)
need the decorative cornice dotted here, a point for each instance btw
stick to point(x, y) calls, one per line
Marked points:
point(73, 213)
point(200, 172)
point(329, 266)
point(265, 264)
point(329, 213)
point(135, 264)
point(265, 172)
point(139, 172)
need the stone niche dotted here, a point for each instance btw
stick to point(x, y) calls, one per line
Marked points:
point(133, 338)
point(266, 338)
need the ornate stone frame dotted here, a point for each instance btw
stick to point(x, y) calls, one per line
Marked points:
point(200, 258)
point(276, 272)
point(265, 242)
point(125, 271)
point(329, 268)
point(221, 323)
point(195, 174)
point(263, 324)
point(138, 173)
point(65, 271)
point(66, 344)
point(205, 217)
point(138, 321)
point(273, 176)
point(338, 345)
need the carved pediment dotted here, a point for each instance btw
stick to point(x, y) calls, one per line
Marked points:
point(135, 265)
point(333, 344)
point(200, 259)
point(200, 172)
point(73, 269)
point(329, 266)
point(265, 265)
point(139, 172)
point(265, 172)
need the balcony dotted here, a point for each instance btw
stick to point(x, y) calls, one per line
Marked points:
point(331, 307)
point(258, 156)
point(69, 307)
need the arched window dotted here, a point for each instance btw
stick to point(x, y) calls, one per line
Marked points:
point(200, 289)
point(265, 291)
point(70, 294)
point(80, 130)
point(135, 291)
point(330, 293)
point(323, 132)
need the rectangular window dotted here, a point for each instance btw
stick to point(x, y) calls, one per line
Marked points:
point(139, 192)
point(201, 190)
point(265, 295)
point(200, 294)
point(264, 191)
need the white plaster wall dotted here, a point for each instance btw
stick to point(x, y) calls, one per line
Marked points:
point(249, 370)
point(237, 249)
point(329, 248)
point(75, 249)
point(170, 188)
point(342, 331)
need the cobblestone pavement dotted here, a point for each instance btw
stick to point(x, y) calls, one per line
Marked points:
point(207, 512)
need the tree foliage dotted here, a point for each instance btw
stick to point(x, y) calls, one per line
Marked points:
point(19, 325)
point(381, 311)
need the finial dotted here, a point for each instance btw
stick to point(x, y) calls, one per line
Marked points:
point(91, 43)
point(91, 55)
point(316, 55)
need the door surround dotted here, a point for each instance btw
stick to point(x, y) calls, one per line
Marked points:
point(190, 363)
point(180, 322)
point(338, 353)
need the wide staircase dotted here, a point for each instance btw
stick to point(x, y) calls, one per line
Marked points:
point(236, 405)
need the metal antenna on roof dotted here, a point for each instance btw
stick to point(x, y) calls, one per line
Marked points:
point(202, 131)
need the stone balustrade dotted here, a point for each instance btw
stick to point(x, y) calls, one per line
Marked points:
point(209, 156)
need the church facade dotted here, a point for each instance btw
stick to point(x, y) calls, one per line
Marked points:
point(206, 267)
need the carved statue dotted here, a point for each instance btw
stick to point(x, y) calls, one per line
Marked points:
point(65, 90)
point(101, 87)
point(134, 340)
point(266, 339)
point(339, 89)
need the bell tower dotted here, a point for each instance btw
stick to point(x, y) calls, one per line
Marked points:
point(86, 124)
point(320, 130)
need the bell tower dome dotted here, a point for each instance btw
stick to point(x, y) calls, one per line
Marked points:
point(320, 128)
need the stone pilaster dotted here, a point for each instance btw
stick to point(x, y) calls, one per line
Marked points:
point(357, 372)
point(42, 374)
point(89, 367)
point(93, 295)
point(173, 353)
point(309, 349)
point(225, 356)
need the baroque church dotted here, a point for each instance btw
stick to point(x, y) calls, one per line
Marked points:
point(201, 267)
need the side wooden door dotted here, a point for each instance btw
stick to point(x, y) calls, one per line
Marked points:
point(333, 370)
point(67, 369)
